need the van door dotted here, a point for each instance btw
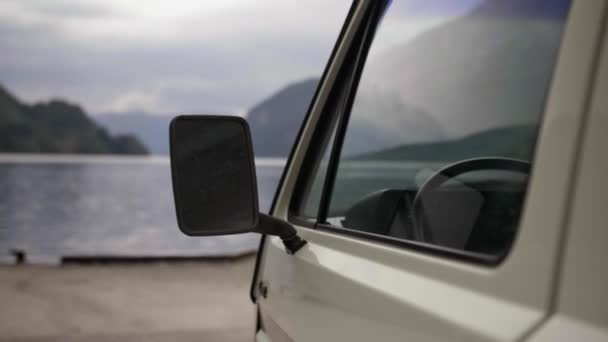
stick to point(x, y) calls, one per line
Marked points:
point(431, 175)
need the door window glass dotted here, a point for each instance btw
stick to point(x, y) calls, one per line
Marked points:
point(443, 126)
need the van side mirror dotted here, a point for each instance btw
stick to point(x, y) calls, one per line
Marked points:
point(214, 181)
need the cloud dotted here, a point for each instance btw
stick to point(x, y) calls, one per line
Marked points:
point(163, 57)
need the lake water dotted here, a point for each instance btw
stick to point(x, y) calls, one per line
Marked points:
point(53, 206)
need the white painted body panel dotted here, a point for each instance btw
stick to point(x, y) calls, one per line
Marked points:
point(341, 288)
point(581, 305)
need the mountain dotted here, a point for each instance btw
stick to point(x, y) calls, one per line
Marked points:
point(153, 130)
point(455, 80)
point(56, 126)
point(275, 121)
point(480, 76)
point(488, 68)
point(379, 119)
point(510, 142)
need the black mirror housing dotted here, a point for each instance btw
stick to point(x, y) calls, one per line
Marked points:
point(213, 173)
point(214, 180)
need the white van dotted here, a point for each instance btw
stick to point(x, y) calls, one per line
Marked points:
point(447, 183)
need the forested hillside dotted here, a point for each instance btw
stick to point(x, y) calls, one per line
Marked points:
point(57, 126)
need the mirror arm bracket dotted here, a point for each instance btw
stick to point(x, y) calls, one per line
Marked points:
point(289, 235)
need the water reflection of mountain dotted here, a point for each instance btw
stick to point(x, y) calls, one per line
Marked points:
point(511, 142)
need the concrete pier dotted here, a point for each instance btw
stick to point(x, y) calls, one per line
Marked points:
point(198, 301)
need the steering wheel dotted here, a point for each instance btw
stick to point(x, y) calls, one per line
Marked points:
point(421, 229)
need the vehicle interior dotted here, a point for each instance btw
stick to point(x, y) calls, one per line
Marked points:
point(472, 205)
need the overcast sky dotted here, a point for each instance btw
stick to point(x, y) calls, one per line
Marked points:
point(159, 56)
point(176, 56)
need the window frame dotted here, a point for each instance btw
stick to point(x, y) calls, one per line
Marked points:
point(330, 118)
point(303, 174)
point(335, 120)
point(338, 109)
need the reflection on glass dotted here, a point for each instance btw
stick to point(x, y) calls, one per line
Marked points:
point(447, 81)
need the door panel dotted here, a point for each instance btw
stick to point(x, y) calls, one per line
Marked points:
point(345, 288)
point(581, 305)
point(324, 293)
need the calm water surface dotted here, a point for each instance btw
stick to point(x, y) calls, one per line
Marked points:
point(64, 205)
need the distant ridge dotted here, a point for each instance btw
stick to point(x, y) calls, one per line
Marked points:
point(152, 129)
point(506, 62)
point(510, 142)
point(275, 121)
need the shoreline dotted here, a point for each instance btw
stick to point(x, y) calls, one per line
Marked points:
point(19, 257)
point(151, 259)
point(154, 159)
